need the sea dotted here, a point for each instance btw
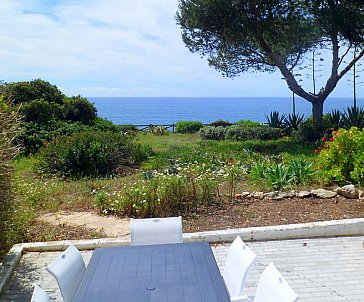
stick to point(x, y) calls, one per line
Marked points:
point(169, 110)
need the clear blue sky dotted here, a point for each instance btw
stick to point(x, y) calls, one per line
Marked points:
point(115, 48)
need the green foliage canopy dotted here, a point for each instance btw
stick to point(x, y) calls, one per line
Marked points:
point(265, 35)
point(26, 91)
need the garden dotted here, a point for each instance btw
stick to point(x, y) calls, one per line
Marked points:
point(58, 155)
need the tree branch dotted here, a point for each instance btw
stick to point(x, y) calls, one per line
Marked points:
point(351, 64)
point(343, 56)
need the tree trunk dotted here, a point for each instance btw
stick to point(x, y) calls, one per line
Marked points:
point(317, 112)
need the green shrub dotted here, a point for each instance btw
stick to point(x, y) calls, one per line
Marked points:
point(341, 157)
point(220, 123)
point(308, 132)
point(242, 133)
point(248, 123)
point(214, 133)
point(188, 127)
point(127, 128)
point(33, 136)
point(89, 154)
point(40, 111)
point(158, 130)
point(26, 91)
point(79, 109)
point(102, 124)
point(278, 146)
point(334, 119)
point(9, 123)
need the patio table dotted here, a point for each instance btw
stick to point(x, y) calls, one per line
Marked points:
point(184, 272)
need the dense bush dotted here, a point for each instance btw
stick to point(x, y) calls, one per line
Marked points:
point(23, 92)
point(127, 128)
point(9, 123)
point(158, 130)
point(33, 136)
point(40, 111)
point(79, 109)
point(90, 154)
point(211, 132)
point(341, 157)
point(188, 126)
point(308, 132)
point(248, 123)
point(242, 133)
point(220, 123)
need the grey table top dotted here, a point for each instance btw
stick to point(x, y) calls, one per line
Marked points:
point(168, 272)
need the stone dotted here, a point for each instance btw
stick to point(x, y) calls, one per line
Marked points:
point(259, 195)
point(271, 195)
point(303, 194)
point(348, 191)
point(323, 193)
point(282, 195)
point(241, 196)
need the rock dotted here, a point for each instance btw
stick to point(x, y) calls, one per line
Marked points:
point(361, 194)
point(259, 195)
point(303, 194)
point(270, 195)
point(322, 193)
point(241, 196)
point(348, 191)
point(244, 194)
point(282, 195)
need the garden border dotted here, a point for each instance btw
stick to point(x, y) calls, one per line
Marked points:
point(332, 228)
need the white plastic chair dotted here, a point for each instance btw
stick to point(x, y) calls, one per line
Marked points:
point(273, 288)
point(238, 262)
point(155, 230)
point(68, 270)
point(39, 295)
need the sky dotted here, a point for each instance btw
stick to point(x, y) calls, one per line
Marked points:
point(124, 48)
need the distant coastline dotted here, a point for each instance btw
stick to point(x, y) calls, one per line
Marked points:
point(169, 110)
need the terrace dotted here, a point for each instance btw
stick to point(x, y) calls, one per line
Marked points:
point(330, 268)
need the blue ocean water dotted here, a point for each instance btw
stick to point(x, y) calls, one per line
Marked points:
point(169, 110)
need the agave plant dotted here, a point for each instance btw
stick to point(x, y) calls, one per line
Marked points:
point(280, 177)
point(275, 120)
point(300, 169)
point(353, 116)
point(294, 121)
point(335, 119)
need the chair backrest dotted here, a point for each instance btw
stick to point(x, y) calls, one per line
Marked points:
point(39, 295)
point(273, 288)
point(155, 230)
point(238, 262)
point(68, 270)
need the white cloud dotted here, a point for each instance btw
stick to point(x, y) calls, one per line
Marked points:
point(110, 47)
